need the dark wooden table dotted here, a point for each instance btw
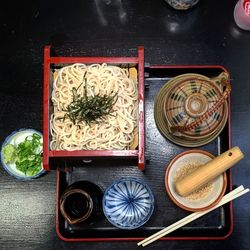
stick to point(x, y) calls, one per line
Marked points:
point(206, 34)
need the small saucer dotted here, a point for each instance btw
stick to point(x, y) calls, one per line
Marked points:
point(15, 138)
point(202, 199)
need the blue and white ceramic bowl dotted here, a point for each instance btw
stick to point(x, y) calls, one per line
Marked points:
point(128, 203)
point(15, 138)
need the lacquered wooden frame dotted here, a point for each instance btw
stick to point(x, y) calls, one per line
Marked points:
point(138, 153)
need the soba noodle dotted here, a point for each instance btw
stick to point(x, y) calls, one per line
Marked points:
point(115, 131)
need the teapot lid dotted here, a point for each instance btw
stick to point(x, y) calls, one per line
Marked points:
point(185, 99)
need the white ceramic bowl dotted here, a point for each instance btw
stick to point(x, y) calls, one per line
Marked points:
point(15, 138)
point(209, 198)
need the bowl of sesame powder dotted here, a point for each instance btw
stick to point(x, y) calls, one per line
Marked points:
point(203, 198)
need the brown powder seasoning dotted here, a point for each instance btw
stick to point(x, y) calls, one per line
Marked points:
point(187, 169)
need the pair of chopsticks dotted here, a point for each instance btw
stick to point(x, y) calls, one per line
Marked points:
point(227, 198)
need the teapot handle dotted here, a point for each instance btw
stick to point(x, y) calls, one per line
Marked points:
point(224, 79)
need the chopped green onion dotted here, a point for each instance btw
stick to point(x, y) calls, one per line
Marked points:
point(26, 155)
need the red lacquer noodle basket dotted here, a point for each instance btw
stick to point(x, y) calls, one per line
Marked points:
point(62, 158)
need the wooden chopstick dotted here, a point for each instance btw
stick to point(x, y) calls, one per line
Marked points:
point(230, 196)
point(240, 188)
point(227, 198)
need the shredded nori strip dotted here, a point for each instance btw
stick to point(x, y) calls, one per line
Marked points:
point(89, 109)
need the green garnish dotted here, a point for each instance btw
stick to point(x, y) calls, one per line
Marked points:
point(89, 109)
point(9, 153)
point(26, 155)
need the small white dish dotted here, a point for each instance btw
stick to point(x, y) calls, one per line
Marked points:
point(16, 138)
point(201, 199)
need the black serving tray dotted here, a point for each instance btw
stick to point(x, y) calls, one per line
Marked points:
point(159, 151)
